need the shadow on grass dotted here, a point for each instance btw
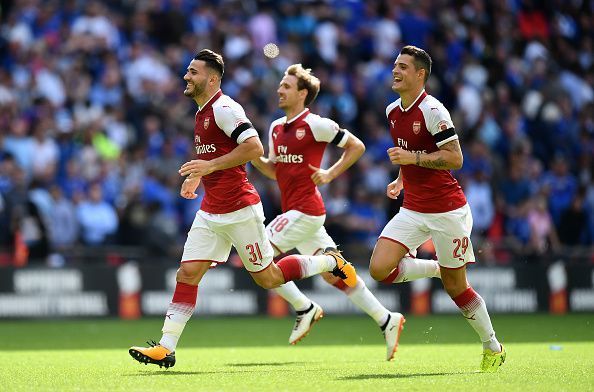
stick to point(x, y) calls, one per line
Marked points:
point(249, 364)
point(388, 376)
point(148, 372)
point(165, 373)
point(247, 367)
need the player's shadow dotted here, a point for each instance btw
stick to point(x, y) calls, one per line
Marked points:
point(379, 376)
point(166, 373)
point(250, 364)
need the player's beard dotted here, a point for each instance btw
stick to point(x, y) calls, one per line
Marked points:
point(195, 90)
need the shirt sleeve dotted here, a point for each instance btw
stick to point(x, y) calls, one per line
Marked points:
point(271, 152)
point(440, 125)
point(233, 121)
point(326, 130)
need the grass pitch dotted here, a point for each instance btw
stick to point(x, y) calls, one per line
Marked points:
point(545, 353)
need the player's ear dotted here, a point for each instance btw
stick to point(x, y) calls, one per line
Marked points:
point(303, 93)
point(213, 78)
point(421, 73)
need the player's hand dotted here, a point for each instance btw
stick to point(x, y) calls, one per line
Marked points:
point(400, 156)
point(320, 176)
point(394, 188)
point(197, 167)
point(189, 186)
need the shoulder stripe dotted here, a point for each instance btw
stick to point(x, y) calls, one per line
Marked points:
point(338, 138)
point(239, 130)
point(391, 106)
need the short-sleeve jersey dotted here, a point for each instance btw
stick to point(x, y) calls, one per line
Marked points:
point(295, 144)
point(221, 125)
point(424, 127)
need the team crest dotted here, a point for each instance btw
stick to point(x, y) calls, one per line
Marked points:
point(416, 127)
point(300, 133)
point(206, 122)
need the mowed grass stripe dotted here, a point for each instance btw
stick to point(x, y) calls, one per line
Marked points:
point(261, 331)
point(530, 366)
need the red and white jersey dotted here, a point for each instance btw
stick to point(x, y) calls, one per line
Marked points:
point(295, 144)
point(423, 127)
point(221, 124)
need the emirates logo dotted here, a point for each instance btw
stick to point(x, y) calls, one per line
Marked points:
point(206, 122)
point(300, 133)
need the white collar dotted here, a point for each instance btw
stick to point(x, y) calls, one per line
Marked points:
point(412, 104)
point(206, 103)
point(296, 117)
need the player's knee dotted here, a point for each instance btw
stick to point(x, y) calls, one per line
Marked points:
point(185, 273)
point(377, 272)
point(267, 281)
point(454, 287)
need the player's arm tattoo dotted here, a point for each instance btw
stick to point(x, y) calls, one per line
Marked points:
point(448, 157)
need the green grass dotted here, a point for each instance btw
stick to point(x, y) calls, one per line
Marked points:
point(342, 353)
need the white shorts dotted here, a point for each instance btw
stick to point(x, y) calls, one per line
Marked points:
point(294, 229)
point(450, 232)
point(212, 235)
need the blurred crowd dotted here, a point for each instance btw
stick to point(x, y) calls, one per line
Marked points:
point(94, 125)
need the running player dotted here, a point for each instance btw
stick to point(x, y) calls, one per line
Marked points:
point(231, 213)
point(296, 145)
point(427, 148)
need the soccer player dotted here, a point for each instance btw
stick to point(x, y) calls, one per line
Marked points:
point(427, 148)
point(296, 145)
point(231, 213)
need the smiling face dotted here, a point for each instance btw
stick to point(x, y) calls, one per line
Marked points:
point(407, 78)
point(288, 95)
point(196, 78)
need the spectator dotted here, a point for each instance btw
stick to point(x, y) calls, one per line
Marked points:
point(97, 219)
point(543, 236)
point(573, 225)
point(90, 92)
point(63, 223)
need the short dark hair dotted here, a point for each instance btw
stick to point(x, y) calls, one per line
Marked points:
point(213, 60)
point(421, 58)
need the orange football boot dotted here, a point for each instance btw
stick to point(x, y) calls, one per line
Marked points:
point(344, 270)
point(155, 353)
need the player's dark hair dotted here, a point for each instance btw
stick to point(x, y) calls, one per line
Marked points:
point(421, 59)
point(213, 60)
point(305, 80)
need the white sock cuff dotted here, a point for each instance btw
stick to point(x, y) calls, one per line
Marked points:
point(172, 327)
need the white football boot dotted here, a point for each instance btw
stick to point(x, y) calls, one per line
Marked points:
point(304, 321)
point(391, 332)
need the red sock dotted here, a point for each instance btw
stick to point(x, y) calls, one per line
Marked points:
point(185, 293)
point(290, 268)
point(469, 300)
point(392, 277)
point(340, 285)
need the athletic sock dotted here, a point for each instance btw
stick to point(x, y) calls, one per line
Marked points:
point(410, 269)
point(366, 301)
point(291, 293)
point(178, 313)
point(474, 310)
point(295, 267)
